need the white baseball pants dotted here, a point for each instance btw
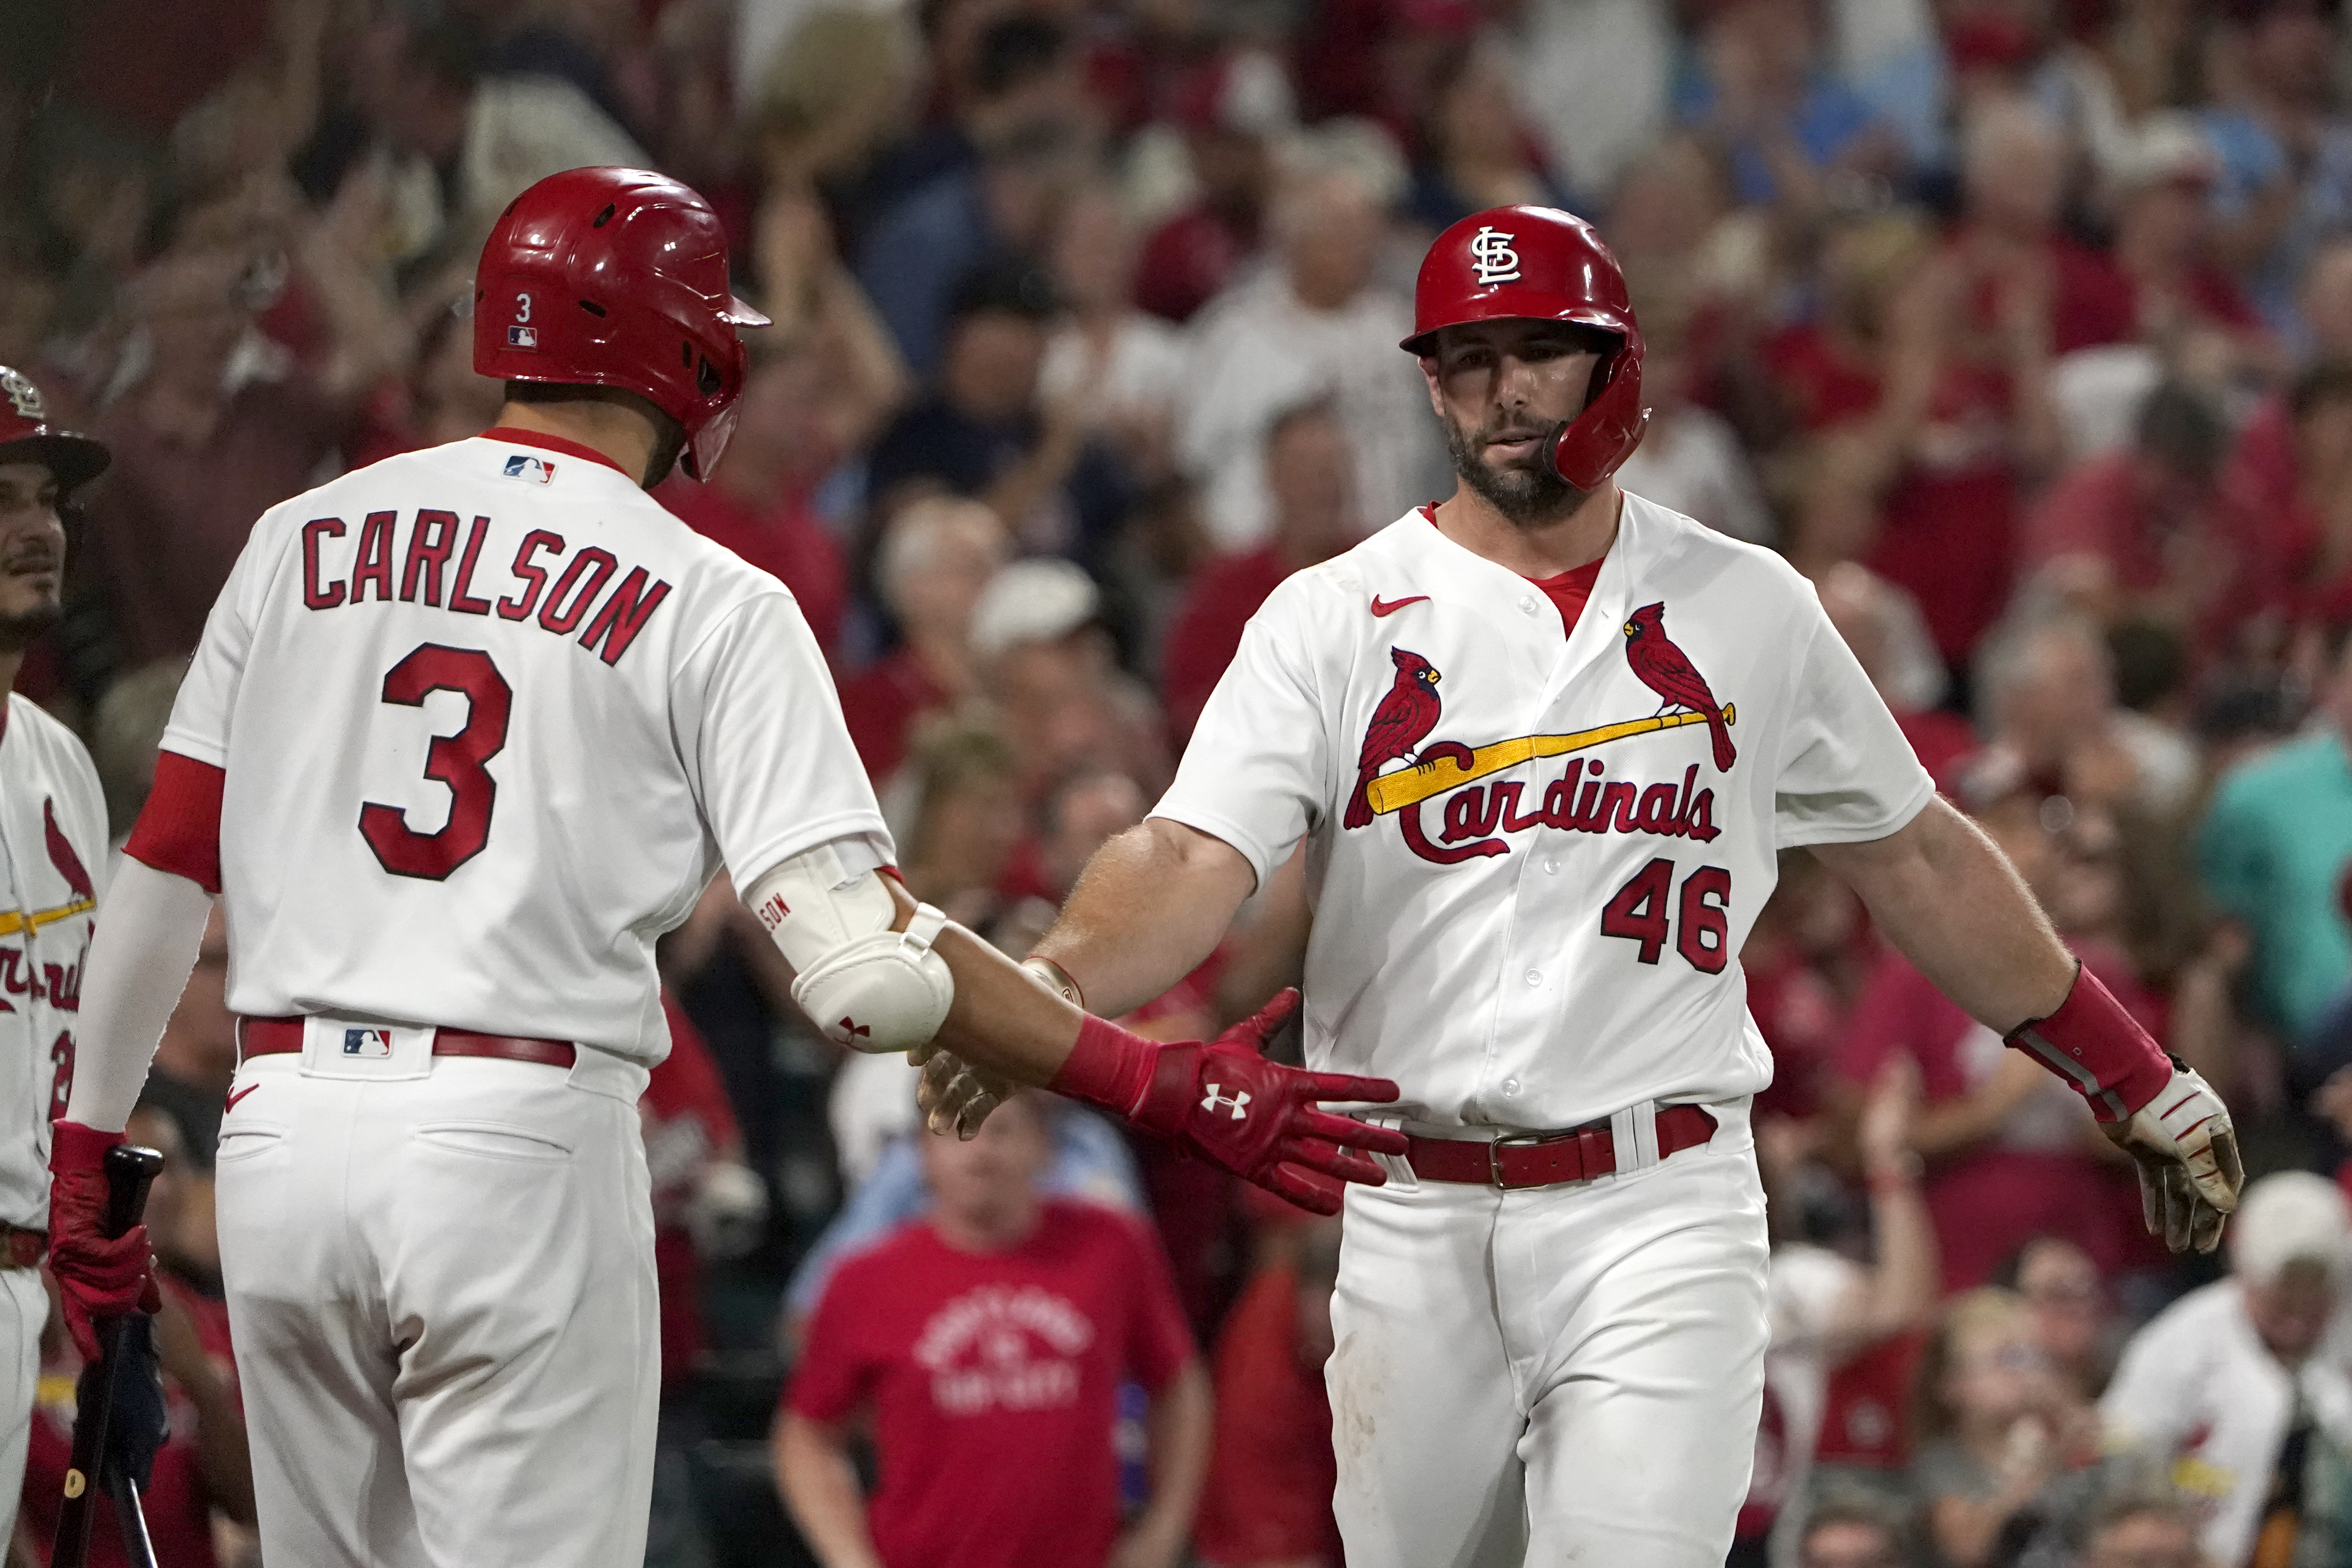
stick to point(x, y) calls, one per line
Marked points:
point(24, 1309)
point(1555, 1374)
point(440, 1278)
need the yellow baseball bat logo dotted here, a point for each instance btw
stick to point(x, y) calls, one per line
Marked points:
point(1410, 786)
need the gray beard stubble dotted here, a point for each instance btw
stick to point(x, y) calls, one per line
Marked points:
point(1526, 497)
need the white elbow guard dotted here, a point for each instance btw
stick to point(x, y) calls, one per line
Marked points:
point(867, 987)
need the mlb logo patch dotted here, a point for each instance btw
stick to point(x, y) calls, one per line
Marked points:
point(522, 466)
point(367, 1045)
point(522, 337)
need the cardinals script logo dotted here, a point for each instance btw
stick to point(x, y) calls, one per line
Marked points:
point(1576, 801)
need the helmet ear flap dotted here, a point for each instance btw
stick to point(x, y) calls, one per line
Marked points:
point(1597, 440)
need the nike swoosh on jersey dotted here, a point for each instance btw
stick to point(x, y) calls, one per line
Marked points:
point(240, 1094)
point(1390, 606)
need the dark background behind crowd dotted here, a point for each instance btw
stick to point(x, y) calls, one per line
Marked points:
point(2023, 327)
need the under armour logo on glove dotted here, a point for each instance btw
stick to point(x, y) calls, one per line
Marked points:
point(849, 1029)
point(1239, 1099)
point(1291, 1147)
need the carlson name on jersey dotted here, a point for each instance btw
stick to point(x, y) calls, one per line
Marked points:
point(545, 580)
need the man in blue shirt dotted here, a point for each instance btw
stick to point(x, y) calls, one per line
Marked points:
point(2272, 849)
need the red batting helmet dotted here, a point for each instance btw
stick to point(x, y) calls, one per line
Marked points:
point(26, 436)
point(1544, 265)
point(618, 277)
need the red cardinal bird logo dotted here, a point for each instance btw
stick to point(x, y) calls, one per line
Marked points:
point(62, 856)
point(1668, 671)
point(1402, 721)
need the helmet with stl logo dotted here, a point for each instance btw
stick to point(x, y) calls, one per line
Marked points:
point(28, 436)
point(618, 277)
point(1544, 264)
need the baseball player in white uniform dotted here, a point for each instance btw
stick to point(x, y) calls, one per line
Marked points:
point(1543, 743)
point(469, 729)
point(52, 841)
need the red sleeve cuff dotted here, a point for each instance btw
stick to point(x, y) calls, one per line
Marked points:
point(2099, 1050)
point(178, 829)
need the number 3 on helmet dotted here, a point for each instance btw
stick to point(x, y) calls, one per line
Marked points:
point(1543, 265)
point(618, 277)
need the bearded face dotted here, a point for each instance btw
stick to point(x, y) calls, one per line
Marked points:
point(1504, 390)
point(32, 555)
point(1511, 469)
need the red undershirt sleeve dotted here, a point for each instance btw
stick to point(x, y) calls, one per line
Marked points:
point(178, 829)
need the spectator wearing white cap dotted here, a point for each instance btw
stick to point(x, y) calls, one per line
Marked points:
point(2162, 188)
point(2224, 1387)
point(1046, 662)
point(937, 555)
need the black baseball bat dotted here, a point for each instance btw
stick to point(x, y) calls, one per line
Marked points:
point(129, 1170)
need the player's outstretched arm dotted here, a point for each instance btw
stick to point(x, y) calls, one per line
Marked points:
point(1151, 905)
point(1949, 900)
point(1223, 1099)
point(879, 971)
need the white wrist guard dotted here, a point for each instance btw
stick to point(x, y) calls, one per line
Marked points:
point(865, 986)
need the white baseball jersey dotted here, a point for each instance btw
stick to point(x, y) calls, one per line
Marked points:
point(491, 719)
point(52, 847)
point(1535, 921)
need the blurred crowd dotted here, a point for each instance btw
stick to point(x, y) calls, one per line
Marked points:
point(2023, 327)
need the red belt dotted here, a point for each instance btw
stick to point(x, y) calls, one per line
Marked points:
point(21, 1248)
point(1548, 1159)
point(283, 1037)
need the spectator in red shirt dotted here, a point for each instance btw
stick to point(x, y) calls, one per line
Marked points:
point(2262, 471)
point(2296, 520)
point(2164, 232)
point(442, 400)
point(1268, 1501)
point(1047, 663)
point(1931, 392)
point(198, 454)
point(2013, 187)
point(758, 503)
point(938, 553)
point(1804, 958)
point(1230, 111)
point(1315, 518)
point(986, 1343)
point(707, 1203)
point(2140, 533)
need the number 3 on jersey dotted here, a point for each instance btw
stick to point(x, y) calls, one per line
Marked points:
point(1637, 912)
point(454, 759)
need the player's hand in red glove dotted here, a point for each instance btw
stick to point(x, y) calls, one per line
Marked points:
point(97, 1276)
point(1226, 1102)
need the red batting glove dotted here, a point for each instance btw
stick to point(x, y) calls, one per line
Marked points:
point(97, 1276)
point(1226, 1102)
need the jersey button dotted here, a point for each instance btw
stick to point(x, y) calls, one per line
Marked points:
point(1526, 605)
point(1535, 976)
point(1510, 1086)
point(1551, 867)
